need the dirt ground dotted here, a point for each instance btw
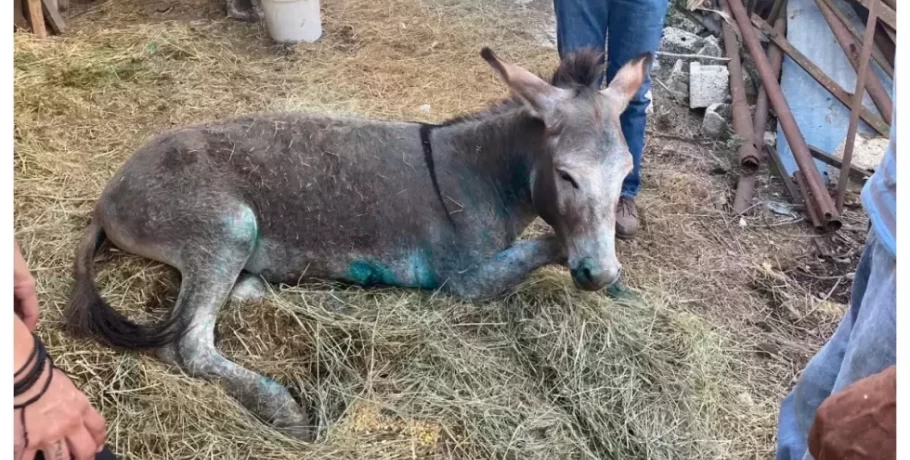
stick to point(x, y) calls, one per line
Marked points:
point(718, 315)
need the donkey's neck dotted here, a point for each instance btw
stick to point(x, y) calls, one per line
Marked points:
point(499, 148)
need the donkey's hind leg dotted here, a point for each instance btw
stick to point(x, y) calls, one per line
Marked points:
point(206, 286)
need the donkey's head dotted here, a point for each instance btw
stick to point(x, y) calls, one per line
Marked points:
point(578, 171)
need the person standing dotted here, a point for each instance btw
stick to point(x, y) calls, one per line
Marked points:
point(627, 29)
point(864, 343)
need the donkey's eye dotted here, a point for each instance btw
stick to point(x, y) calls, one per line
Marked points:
point(567, 177)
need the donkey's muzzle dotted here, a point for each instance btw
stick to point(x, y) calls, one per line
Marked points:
point(589, 275)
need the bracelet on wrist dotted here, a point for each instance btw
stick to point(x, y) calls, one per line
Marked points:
point(33, 374)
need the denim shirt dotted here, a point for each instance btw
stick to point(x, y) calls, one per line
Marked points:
point(879, 195)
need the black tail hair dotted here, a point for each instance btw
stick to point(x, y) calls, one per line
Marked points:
point(88, 314)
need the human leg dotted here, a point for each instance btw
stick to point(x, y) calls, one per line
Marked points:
point(863, 344)
point(580, 24)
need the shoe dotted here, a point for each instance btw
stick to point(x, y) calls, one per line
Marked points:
point(626, 218)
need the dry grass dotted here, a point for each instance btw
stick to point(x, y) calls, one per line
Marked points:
point(693, 367)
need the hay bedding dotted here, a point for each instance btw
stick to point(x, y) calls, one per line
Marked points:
point(545, 372)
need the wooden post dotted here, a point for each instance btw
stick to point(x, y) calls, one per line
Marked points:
point(36, 17)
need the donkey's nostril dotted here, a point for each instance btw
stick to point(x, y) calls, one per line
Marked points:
point(587, 273)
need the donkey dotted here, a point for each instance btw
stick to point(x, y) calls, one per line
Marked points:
point(292, 196)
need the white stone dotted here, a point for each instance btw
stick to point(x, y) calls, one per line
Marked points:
point(711, 48)
point(650, 97)
point(679, 41)
point(708, 84)
point(425, 108)
point(770, 139)
point(867, 153)
point(715, 122)
point(679, 78)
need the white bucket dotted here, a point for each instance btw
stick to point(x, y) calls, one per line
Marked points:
point(293, 20)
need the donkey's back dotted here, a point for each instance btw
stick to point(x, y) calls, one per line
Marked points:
point(323, 197)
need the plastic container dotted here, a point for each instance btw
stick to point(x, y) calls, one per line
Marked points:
point(293, 20)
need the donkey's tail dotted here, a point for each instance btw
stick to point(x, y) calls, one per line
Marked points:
point(88, 314)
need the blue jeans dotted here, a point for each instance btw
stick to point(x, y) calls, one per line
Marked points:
point(863, 344)
point(634, 27)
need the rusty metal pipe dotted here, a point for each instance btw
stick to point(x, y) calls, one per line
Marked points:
point(789, 185)
point(745, 187)
point(823, 79)
point(809, 201)
point(885, 13)
point(776, 56)
point(873, 85)
point(877, 53)
point(742, 119)
point(776, 9)
point(745, 190)
point(784, 115)
point(857, 104)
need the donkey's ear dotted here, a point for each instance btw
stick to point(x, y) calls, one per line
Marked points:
point(533, 90)
point(628, 80)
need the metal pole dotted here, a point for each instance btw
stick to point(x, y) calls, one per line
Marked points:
point(742, 119)
point(877, 53)
point(857, 104)
point(784, 115)
point(875, 87)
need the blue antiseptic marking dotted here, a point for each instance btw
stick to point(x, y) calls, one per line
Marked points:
point(419, 267)
point(242, 224)
point(270, 385)
point(369, 273)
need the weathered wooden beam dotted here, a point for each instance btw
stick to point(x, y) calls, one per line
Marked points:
point(54, 18)
point(36, 18)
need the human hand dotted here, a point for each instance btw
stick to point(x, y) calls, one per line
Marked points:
point(61, 423)
point(858, 422)
point(25, 297)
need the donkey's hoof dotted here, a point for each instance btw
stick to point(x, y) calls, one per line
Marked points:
point(296, 426)
point(248, 289)
point(169, 355)
point(300, 433)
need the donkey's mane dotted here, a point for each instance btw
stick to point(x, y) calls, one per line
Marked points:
point(577, 70)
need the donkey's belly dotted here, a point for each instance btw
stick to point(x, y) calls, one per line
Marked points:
point(281, 263)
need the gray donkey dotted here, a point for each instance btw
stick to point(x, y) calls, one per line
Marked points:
point(293, 196)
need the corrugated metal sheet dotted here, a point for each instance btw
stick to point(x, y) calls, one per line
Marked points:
point(821, 117)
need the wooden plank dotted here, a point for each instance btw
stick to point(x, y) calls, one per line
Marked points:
point(36, 18)
point(18, 16)
point(54, 18)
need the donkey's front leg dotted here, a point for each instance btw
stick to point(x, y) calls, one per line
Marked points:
point(507, 268)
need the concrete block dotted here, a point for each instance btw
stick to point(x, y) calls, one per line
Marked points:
point(708, 84)
point(680, 20)
point(679, 41)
